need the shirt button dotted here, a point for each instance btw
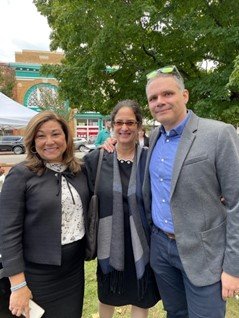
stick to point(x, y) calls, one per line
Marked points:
point(166, 221)
point(162, 159)
point(167, 140)
point(161, 179)
point(163, 200)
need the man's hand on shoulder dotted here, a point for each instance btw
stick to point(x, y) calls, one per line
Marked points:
point(109, 144)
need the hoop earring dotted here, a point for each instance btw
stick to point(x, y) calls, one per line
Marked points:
point(33, 150)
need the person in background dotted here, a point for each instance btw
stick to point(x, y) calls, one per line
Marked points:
point(42, 207)
point(103, 134)
point(192, 163)
point(143, 139)
point(124, 275)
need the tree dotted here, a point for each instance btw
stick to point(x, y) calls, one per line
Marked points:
point(49, 100)
point(201, 37)
point(233, 85)
point(7, 80)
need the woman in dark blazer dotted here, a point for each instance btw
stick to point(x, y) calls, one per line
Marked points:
point(124, 275)
point(42, 208)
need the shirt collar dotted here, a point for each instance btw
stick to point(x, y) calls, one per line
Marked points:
point(178, 130)
point(57, 167)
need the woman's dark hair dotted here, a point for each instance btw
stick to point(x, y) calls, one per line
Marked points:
point(34, 161)
point(132, 104)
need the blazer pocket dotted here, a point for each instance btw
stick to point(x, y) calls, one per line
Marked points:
point(196, 159)
point(214, 244)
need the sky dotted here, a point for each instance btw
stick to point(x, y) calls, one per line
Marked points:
point(22, 27)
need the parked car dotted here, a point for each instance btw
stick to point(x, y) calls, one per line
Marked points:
point(82, 144)
point(12, 143)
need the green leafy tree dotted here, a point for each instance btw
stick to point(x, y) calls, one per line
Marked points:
point(111, 45)
point(53, 102)
point(232, 113)
point(7, 80)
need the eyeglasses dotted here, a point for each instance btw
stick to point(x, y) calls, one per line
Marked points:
point(170, 69)
point(129, 123)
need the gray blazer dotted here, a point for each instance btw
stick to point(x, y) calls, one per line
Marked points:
point(206, 168)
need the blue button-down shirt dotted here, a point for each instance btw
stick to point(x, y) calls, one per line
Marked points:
point(161, 169)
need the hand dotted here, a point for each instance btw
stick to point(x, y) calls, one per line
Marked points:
point(230, 285)
point(109, 144)
point(19, 302)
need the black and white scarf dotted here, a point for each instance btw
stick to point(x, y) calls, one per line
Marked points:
point(111, 243)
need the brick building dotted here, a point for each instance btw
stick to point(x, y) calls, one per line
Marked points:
point(30, 83)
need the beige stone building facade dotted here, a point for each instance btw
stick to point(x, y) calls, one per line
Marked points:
point(28, 78)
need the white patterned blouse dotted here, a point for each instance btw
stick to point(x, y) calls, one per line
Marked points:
point(72, 224)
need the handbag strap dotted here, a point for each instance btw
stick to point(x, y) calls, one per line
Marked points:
point(97, 178)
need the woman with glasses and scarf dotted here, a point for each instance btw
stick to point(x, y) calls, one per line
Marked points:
point(42, 208)
point(124, 275)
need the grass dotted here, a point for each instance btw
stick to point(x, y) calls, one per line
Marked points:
point(91, 301)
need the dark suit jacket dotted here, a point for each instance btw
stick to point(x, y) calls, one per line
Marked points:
point(30, 216)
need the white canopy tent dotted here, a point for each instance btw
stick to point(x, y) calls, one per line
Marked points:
point(12, 114)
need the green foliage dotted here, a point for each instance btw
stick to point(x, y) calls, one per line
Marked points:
point(201, 37)
point(7, 80)
point(53, 102)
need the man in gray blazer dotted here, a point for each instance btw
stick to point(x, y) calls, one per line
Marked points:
point(192, 166)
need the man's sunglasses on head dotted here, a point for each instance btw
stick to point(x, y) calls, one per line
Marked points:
point(170, 69)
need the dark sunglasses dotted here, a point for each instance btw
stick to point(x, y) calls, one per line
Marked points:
point(129, 123)
point(170, 69)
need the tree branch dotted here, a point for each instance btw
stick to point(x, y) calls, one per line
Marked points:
point(149, 53)
point(210, 12)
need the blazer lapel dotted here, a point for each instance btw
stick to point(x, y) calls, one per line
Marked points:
point(153, 139)
point(185, 144)
point(146, 184)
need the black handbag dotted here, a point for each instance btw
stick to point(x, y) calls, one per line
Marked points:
point(92, 219)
